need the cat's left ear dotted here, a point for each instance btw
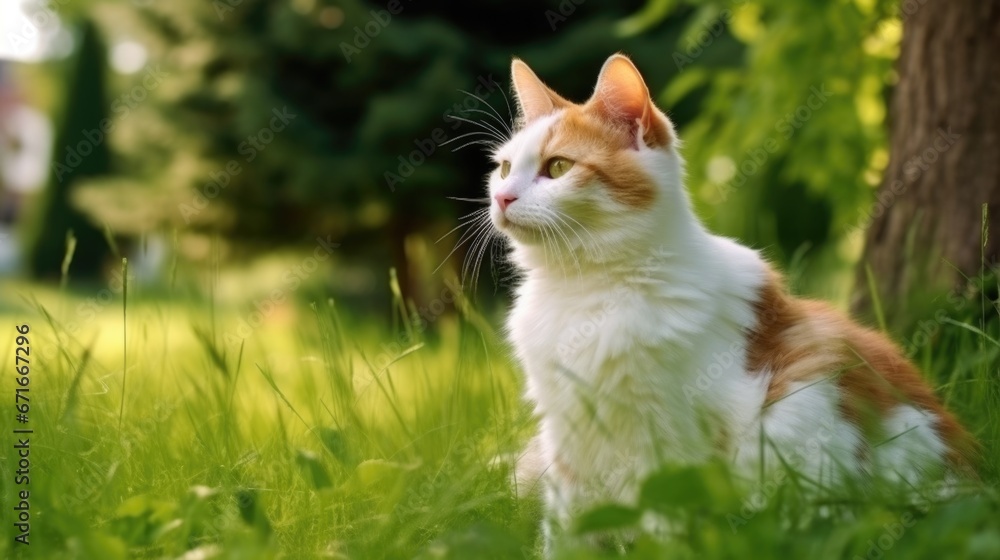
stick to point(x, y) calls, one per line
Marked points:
point(621, 96)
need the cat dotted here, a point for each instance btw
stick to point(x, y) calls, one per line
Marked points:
point(646, 339)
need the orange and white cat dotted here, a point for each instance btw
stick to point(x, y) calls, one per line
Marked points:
point(648, 340)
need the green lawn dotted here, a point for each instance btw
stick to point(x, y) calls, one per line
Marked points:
point(324, 435)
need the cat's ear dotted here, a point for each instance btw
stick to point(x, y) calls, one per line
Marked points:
point(621, 96)
point(534, 98)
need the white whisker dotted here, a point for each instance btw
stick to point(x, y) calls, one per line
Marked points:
point(466, 135)
point(468, 218)
point(487, 127)
point(505, 126)
point(467, 266)
point(460, 199)
point(461, 241)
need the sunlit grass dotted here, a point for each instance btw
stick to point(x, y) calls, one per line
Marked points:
point(324, 434)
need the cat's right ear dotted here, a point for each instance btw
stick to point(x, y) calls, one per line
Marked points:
point(534, 98)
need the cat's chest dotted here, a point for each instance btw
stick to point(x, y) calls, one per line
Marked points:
point(555, 328)
point(634, 341)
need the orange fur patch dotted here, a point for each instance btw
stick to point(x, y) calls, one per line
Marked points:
point(601, 150)
point(798, 340)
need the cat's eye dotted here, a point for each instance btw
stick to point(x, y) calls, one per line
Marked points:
point(504, 169)
point(557, 167)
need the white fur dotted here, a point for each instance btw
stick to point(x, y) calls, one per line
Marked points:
point(631, 324)
point(806, 431)
point(912, 448)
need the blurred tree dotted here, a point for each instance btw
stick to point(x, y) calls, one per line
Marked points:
point(80, 153)
point(278, 121)
point(944, 165)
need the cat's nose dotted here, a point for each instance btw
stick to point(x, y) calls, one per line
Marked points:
point(504, 200)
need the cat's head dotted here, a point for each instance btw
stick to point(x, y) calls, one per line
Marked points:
point(585, 178)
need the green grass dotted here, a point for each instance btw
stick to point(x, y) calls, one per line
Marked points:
point(326, 435)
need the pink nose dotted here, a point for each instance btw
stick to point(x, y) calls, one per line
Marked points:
point(504, 200)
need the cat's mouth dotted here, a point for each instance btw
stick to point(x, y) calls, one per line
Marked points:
point(518, 231)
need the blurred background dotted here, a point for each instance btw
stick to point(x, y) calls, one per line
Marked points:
point(192, 133)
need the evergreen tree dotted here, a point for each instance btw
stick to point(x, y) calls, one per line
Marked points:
point(282, 121)
point(81, 152)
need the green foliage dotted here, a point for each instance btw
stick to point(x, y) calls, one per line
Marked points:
point(308, 440)
point(781, 107)
point(789, 142)
point(80, 153)
point(364, 158)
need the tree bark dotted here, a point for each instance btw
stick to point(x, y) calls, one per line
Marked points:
point(944, 163)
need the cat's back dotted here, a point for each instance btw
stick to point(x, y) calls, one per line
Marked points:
point(847, 390)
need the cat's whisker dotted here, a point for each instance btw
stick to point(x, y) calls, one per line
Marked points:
point(496, 118)
point(569, 250)
point(466, 236)
point(487, 244)
point(553, 213)
point(493, 258)
point(499, 118)
point(545, 246)
point(490, 145)
point(510, 111)
point(478, 263)
point(543, 239)
point(467, 266)
point(466, 135)
point(552, 243)
point(460, 199)
point(484, 125)
point(468, 218)
point(543, 230)
point(569, 245)
point(475, 212)
point(503, 130)
point(588, 248)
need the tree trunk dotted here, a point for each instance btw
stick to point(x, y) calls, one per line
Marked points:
point(944, 160)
